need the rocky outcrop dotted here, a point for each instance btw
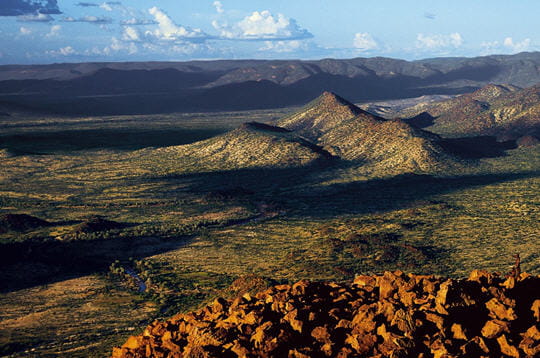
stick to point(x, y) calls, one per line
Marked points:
point(390, 315)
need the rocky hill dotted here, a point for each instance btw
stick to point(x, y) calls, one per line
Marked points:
point(253, 145)
point(389, 315)
point(115, 88)
point(350, 133)
point(502, 110)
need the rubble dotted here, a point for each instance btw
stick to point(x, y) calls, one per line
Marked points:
point(390, 315)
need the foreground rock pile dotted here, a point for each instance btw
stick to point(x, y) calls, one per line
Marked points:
point(391, 315)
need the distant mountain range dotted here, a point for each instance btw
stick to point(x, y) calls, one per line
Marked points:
point(157, 87)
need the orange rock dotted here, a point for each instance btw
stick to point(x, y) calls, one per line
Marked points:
point(361, 343)
point(364, 280)
point(458, 331)
point(404, 322)
point(533, 333)
point(437, 319)
point(133, 342)
point(321, 334)
point(482, 277)
point(500, 311)
point(387, 285)
point(237, 348)
point(364, 319)
point(296, 354)
point(296, 324)
point(535, 308)
point(494, 328)
point(438, 349)
point(506, 348)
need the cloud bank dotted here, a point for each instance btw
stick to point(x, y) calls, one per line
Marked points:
point(28, 7)
point(263, 26)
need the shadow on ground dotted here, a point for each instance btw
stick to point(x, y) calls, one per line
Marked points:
point(40, 262)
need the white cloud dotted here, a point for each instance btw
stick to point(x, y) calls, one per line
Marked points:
point(89, 19)
point(54, 31)
point(364, 42)
point(439, 41)
point(134, 22)
point(219, 7)
point(39, 17)
point(131, 34)
point(517, 46)
point(66, 51)
point(105, 6)
point(169, 31)
point(119, 46)
point(25, 30)
point(283, 46)
point(263, 26)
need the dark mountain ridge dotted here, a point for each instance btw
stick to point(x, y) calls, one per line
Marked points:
point(154, 87)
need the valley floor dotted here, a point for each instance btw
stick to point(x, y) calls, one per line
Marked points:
point(189, 231)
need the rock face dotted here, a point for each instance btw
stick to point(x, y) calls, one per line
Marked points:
point(391, 315)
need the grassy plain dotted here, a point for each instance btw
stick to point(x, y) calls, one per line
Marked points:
point(189, 233)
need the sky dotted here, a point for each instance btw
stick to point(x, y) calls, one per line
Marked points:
point(52, 31)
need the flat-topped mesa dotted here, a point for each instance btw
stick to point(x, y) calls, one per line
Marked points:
point(389, 315)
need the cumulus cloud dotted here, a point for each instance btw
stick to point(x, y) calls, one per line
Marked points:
point(284, 46)
point(219, 7)
point(89, 19)
point(28, 7)
point(169, 31)
point(54, 31)
point(263, 26)
point(517, 46)
point(108, 6)
point(25, 30)
point(439, 41)
point(364, 42)
point(119, 46)
point(131, 34)
point(136, 22)
point(64, 51)
point(35, 18)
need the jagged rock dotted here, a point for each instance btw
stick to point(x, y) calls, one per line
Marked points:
point(494, 328)
point(535, 308)
point(507, 348)
point(483, 316)
point(499, 310)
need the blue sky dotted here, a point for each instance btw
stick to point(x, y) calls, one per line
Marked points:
point(47, 31)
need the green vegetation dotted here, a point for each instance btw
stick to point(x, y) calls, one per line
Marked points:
point(188, 228)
